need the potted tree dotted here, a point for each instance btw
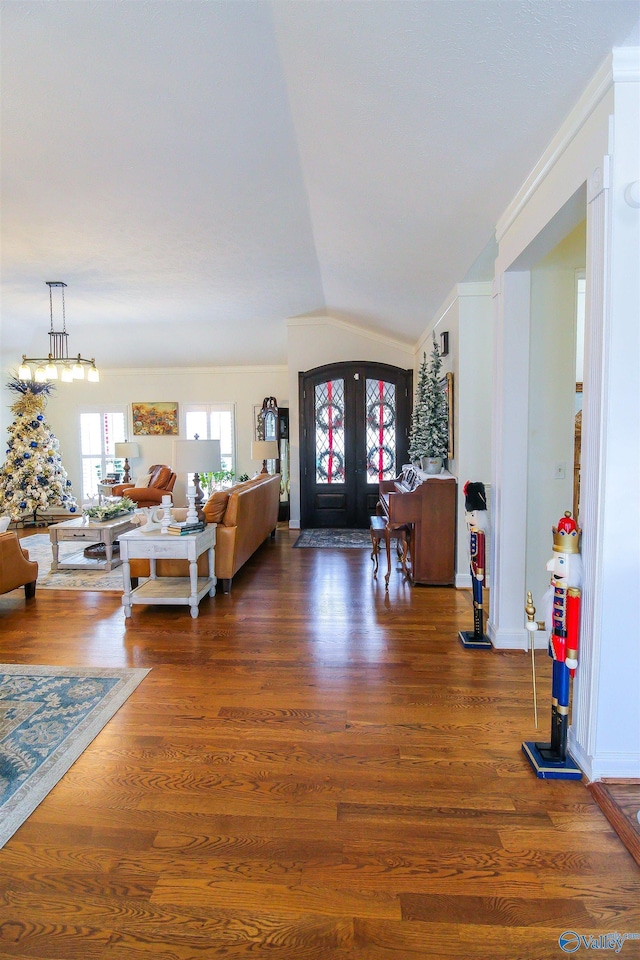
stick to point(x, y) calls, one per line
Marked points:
point(429, 437)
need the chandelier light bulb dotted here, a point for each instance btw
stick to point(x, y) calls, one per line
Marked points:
point(93, 374)
point(51, 371)
point(24, 371)
point(77, 371)
point(67, 375)
point(40, 375)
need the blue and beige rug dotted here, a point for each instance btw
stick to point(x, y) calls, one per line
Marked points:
point(332, 537)
point(39, 548)
point(48, 717)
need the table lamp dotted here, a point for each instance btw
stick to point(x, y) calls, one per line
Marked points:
point(264, 450)
point(126, 450)
point(196, 457)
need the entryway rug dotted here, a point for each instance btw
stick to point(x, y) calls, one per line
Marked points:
point(39, 547)
point(331, 537)
point(48, 717)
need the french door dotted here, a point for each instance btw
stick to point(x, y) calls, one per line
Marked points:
point(354, 430)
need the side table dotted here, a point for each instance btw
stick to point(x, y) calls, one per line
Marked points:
point(84, 533)
point(168, 590)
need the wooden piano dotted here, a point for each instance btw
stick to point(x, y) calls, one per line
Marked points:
point(428, 506)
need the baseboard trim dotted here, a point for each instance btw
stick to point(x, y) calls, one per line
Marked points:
point(630, 837)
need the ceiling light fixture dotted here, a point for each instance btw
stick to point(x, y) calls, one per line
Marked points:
point(58, 365)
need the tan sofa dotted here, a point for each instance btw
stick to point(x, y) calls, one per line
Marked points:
point(16, 570)
point(246, 514)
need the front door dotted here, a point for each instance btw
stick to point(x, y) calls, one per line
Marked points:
point(354, 430)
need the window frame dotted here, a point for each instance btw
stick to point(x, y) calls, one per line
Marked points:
point(101, 410)
point(208, 409)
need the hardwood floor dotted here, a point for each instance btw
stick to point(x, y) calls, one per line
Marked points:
point(312, 769)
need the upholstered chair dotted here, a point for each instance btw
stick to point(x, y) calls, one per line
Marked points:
point(161, 481)
point(16, 570)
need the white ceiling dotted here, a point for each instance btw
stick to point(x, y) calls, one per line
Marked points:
point(198, 172)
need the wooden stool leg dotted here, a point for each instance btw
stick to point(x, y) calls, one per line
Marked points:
point(405, 550)
point(387, 542)
point(375, 543)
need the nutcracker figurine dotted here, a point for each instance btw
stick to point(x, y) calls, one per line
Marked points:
point(475, 504)
point(551, 760)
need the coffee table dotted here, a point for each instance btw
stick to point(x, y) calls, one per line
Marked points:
point(85, 532)
point(164, 546)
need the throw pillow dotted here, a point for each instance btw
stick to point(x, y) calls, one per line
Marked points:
point(162, 478)
point(216, 505)
point(142, 481)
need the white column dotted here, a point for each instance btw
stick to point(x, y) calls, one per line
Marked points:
point(509, 476)
point(605, 732)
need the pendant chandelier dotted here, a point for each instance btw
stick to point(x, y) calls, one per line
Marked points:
point(58, 365)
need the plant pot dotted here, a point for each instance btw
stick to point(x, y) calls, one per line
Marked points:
point(432, 465)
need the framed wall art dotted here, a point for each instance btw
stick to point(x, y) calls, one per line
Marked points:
point(155, 419)
point(446, 385)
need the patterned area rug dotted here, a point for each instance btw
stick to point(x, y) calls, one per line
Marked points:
point(39, 547)
point(330, 537)
point(48, 716)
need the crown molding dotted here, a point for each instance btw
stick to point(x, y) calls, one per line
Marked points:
point(625, 64)
point(478, 288)
point(191, 371)
point(592, 96)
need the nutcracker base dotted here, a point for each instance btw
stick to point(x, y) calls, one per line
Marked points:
point(473, 641)
point(549, 769)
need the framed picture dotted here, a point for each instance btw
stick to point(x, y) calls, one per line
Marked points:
point(155, 419)
point(446, 385)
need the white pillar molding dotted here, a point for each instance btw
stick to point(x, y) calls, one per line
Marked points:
point(585, 699)
point(605, 734)
point(509, 474)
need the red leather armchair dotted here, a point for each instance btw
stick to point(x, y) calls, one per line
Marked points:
point(162, 480)
point(16, 570)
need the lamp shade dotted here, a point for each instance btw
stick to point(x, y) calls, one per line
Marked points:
point(264, 450)
point(196, 456)
point(127, 450)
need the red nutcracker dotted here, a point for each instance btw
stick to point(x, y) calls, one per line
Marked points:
point(475, 503)
point(562, 602)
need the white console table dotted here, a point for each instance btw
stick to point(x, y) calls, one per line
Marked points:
point(168, 590)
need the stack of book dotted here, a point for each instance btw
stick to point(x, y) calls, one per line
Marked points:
point(180, 529)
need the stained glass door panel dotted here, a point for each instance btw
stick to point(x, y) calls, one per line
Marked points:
point(329, 417)
point(380, 427)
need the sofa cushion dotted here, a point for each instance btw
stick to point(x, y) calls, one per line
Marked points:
point(216, 505)
point(160, 477)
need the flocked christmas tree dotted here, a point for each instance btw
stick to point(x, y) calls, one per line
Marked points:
point(33, 477)
point(429, 424)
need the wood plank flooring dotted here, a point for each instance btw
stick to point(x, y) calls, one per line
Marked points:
point(313, 769)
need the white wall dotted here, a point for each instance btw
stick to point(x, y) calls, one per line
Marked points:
point(551, 399)
point(319, 341)
point(243, 386)
point(467, 315)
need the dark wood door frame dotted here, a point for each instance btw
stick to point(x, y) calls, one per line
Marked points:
point(355, 499)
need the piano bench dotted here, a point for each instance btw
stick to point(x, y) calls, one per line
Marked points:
point(379, 530)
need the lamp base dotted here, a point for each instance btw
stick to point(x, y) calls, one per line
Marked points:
point(264, 467)
point(127, 468)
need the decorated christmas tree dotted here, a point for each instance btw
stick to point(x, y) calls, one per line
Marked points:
point(429, 424)
point(32, 477)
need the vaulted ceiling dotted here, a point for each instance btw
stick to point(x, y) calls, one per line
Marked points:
point(198, 172)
